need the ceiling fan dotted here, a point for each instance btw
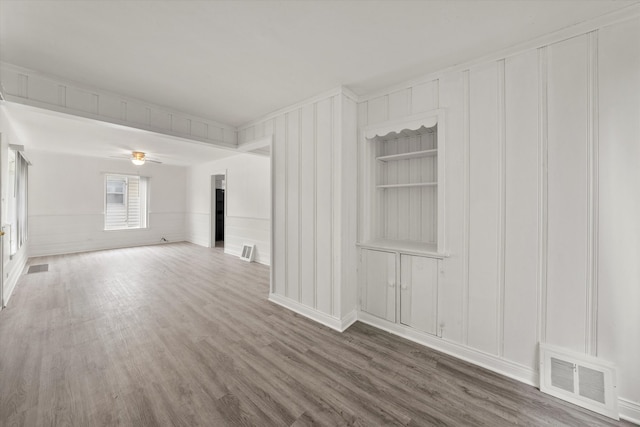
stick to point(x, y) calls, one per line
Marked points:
point(138, 158)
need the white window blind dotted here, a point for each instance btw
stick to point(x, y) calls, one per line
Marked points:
point(125, 202)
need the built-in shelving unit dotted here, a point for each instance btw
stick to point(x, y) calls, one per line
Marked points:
point(402, 177)
point(401, 236)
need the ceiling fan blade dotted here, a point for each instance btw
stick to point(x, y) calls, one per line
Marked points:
point(153, 161)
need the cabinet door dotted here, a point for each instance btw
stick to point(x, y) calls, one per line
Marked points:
point(378, 288)
point(419, 292)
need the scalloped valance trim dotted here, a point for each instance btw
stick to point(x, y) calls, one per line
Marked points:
point(413, 123)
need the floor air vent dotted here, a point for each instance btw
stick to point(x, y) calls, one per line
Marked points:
point(580, 379)
point(39, 268)
point(247, 252)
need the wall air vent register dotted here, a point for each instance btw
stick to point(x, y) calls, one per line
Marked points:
point(580, 379)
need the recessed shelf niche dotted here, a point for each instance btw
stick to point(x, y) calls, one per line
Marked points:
point(404, 185)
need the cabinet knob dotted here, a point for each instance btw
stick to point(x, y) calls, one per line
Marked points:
point(404, 287)
point(392, 285)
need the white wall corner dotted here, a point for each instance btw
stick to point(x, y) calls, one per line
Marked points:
point(256, 144)
point(349, 320)
point(350, 94)
point(196, 240)
point(340, 90)
point(332, 322)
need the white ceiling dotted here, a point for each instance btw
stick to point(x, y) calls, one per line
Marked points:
point(46, 130)
point(234, 61)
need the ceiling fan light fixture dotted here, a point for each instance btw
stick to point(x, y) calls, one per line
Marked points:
point(137, 158)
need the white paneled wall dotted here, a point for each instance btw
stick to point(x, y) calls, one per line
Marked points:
point(484, 208)
point(521, 208)
point(314, 211)
point(617, 247)
point(66, 204)
point(540, 195)
point(453, 289)
point(567, 193)
point(247, 204)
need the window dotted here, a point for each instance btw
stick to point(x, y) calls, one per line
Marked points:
point(125, 202)
point(116, 191)
point(17, 203)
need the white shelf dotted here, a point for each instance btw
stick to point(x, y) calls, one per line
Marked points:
point(410, 155)
point(415, 184)
point(409, 247)
point(401, 198)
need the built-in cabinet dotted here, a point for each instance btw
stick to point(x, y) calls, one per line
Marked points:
point(419, 292)
point(402, 212)
point(400, 288)
point(378, 290)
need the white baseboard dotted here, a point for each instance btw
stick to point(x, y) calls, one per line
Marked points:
point(238, 253)
point(330, 321)
point(15, 267)
point(97, 248)
point(197, 241)
point(629, 411)
point(349, 320)
point(493, 363)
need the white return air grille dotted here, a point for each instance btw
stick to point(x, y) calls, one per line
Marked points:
point(247, 252)
point(580, 379)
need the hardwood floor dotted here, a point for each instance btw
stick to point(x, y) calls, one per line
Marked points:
point(183, 335)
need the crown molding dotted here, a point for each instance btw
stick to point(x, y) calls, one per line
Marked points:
point(625, 14)
point(340, 90)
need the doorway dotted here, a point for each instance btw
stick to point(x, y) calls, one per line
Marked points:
point(218, 202)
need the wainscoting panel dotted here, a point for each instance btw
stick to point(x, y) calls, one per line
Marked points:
point(61, 234)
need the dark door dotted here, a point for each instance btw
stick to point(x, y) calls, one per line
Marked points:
point(219, 215)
